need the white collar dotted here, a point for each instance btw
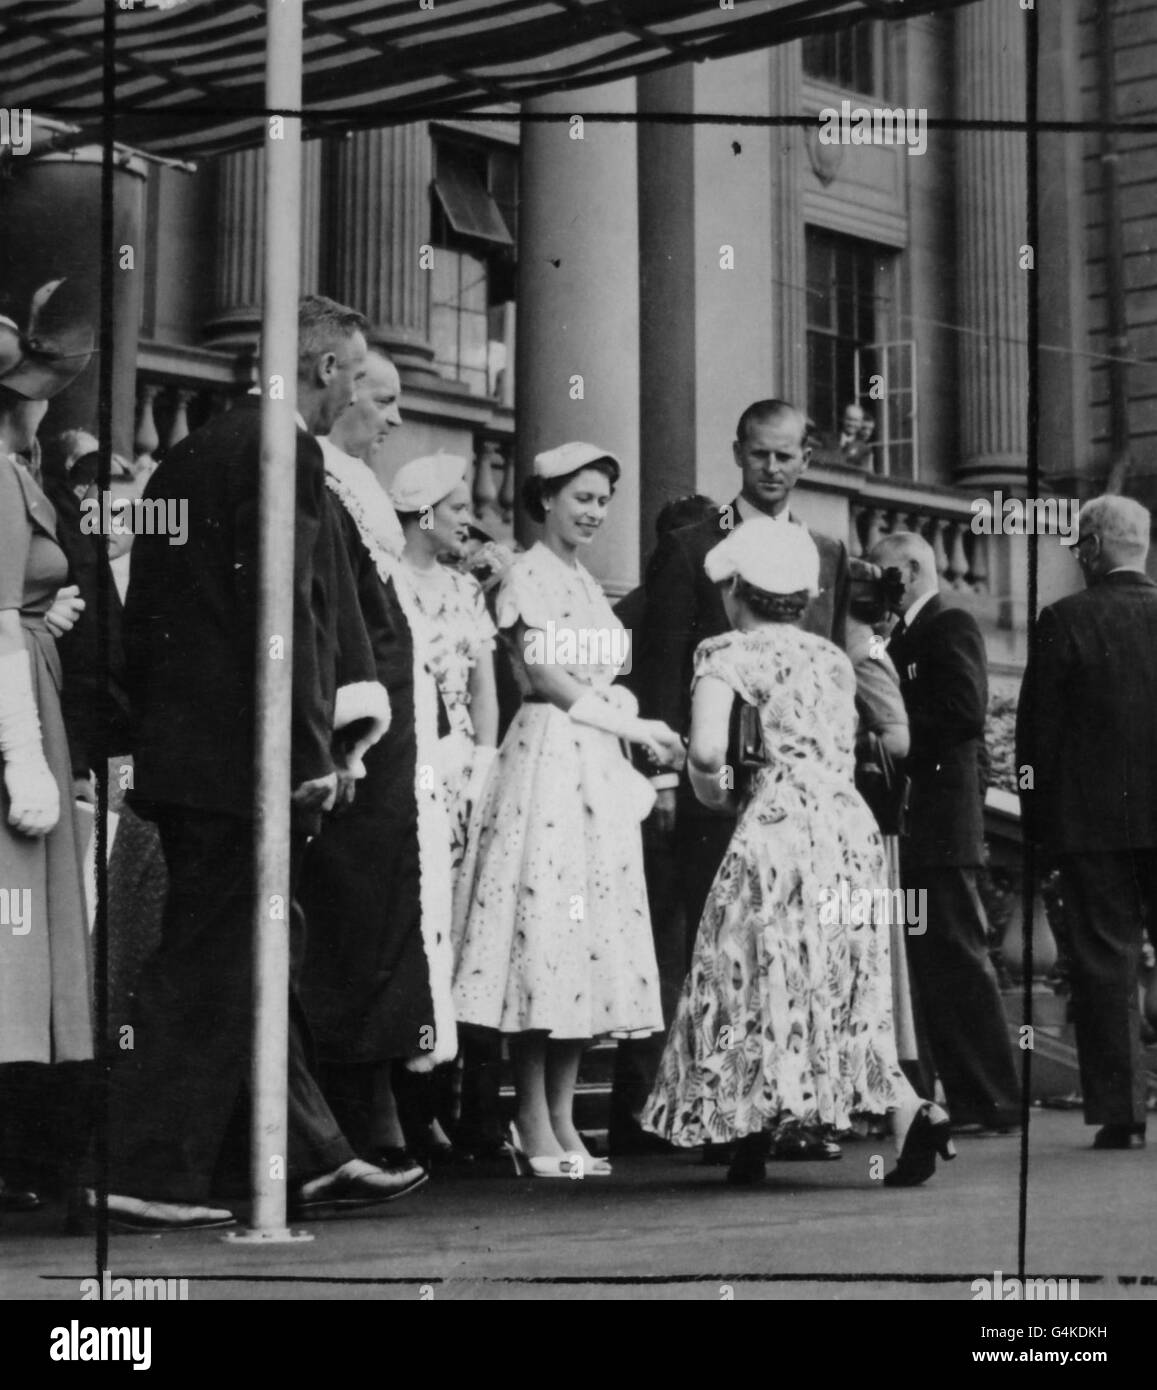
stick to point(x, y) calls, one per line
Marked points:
point(914, 609)
point(1127, 569)
point(748, 512)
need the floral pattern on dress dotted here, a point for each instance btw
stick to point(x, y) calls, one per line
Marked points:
point(458, 632)
point(552, 929)
point(785, 1019)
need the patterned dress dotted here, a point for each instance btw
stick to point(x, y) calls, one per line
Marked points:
point(551, 923)
point(786, 1016)
point(458, 633)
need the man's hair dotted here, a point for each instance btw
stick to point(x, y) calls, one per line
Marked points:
point(323, 325)
point(764, 412)
point(1121, 523)
point(905, 545)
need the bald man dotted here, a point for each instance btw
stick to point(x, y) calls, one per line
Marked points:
point(963, 1035)
point(1087, 727)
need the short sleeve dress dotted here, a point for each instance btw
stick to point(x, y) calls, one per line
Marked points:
point(551, 923)
point(785, 1020)
point(44, 964)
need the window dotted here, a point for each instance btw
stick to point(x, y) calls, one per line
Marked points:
point(475, 206)
point(848, 57)
point(851, 291)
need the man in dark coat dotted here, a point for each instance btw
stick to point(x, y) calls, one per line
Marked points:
point(939, 653)
point(1087, 729)
point(191, 639)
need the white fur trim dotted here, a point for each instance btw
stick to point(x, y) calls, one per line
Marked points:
point(359, 492)
point(362, 700)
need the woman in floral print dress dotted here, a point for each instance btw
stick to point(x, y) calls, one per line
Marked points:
point(784, 1029)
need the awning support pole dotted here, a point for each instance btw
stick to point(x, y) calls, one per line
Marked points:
point(274, 656)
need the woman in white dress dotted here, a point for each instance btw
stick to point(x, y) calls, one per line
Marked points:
point(552, 932)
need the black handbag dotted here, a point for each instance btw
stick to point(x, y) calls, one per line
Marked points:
point(745, 747)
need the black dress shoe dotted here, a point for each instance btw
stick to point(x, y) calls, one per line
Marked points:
point(748, 1166)
point(18, 1199)
point(928, 1135)
point(140, 1214)
point(1120, 1137)
point(352, 1186)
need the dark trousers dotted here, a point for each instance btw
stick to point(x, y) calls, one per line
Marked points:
point(637, 1059)
point(1108, 897)
point(174, 1092)
point(961, 1028)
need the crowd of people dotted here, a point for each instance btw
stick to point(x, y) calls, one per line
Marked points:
point(507, 840)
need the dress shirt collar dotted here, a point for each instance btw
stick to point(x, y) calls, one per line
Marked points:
point(748, 512)
point(914, 610)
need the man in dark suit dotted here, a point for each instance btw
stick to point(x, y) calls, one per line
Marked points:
point(191, 640)
point(963, 1036)
point(1087, 728)
point(684, 608)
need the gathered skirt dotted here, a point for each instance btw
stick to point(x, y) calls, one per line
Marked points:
point(552, 931)
point(786, 1017)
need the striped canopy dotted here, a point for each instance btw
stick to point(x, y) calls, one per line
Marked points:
point(190, 73)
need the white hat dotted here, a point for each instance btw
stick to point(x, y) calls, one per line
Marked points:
point(778, 557)
point(569, 458)
point(424, 482)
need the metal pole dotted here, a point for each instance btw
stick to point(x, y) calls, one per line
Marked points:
point(274, 656)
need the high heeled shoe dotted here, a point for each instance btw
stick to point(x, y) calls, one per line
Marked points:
point(928, 1135)
point(564, 1166)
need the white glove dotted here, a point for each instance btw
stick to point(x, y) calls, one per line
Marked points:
point(480, 765)
point(591, 709)
point(33, 794)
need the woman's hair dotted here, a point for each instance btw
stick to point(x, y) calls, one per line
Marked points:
point(774, 608)
point(536, 490)
point(408, 518)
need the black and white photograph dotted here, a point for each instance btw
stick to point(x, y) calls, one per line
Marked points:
point(578, 661)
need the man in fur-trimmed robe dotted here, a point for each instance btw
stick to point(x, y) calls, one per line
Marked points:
point(377, 881)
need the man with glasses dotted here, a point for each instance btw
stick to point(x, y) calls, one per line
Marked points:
point(1087, 729)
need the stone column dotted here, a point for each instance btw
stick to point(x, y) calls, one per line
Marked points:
point(382, 191)
point(236, 319)
point(991, 198)
point(667, 286)
point(578, 339)
point(789, 249)
point(1059, 279)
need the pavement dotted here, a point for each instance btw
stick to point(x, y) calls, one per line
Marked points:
point(668, 1228)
